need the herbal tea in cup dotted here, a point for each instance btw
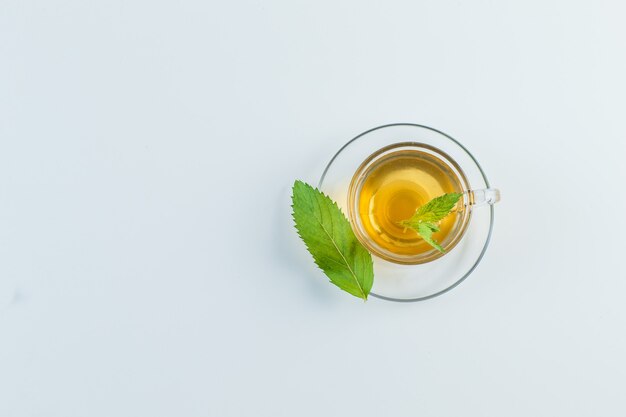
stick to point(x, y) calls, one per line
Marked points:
point(388, 188)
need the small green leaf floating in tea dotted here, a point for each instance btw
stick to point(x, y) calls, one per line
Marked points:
point(328, 236)
point(425, 219)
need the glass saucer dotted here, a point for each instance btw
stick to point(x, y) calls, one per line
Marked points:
point(407, 283)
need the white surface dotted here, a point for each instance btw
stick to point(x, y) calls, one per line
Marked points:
point(146, 155)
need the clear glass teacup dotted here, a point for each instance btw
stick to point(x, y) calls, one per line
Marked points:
point(415, 271)
point(396, 180)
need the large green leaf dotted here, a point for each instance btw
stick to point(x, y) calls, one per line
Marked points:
point(329, 238)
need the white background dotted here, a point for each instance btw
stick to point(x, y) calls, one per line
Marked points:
point(148, 263)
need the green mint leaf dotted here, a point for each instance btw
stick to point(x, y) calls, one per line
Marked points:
point(425, 217)
point(328, 236)
point(426, 230)
point(436, 209)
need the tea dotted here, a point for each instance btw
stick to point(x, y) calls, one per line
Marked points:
point(395, 186)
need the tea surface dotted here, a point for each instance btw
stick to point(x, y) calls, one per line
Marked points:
point(395, 187)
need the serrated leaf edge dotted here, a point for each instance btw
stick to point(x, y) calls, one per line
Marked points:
point(334, 203)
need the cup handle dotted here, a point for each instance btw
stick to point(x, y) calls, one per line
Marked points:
point(482, 197)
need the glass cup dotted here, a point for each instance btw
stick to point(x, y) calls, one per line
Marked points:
point(416, 277)
point(444, 166)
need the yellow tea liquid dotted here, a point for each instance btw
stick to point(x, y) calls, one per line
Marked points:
point(395, 187)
